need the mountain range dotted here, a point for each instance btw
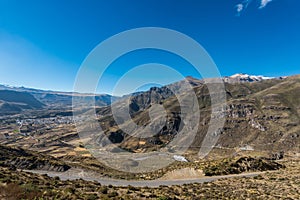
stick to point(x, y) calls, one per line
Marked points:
point(14, 100)
point(262, 113)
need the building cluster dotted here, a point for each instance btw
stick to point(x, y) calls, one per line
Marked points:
point(46, 121)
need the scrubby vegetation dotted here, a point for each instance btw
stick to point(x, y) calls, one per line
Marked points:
point(244, 164)
point(281, 184)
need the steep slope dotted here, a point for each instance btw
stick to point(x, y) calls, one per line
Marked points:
point(260, 115)
point(23, 159)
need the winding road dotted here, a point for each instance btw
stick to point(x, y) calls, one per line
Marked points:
point(137, 183)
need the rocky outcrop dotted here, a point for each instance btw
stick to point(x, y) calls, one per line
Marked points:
point(22, 159)
point(244, 164)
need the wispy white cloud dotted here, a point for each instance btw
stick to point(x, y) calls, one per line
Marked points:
point(264, 3)
point(239, 7)
point(244, 4)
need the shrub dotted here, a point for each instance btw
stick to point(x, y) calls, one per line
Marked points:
point(104, 190)
point(112, 194)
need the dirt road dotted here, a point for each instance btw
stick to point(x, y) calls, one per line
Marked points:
point(77, 174)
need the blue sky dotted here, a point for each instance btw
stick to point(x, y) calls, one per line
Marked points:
point(43, 43)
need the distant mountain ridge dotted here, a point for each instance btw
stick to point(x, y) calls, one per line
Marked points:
point(51, 99)
point(14, 102)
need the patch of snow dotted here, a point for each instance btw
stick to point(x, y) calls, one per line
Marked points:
point(180, 158)
point(247, 148)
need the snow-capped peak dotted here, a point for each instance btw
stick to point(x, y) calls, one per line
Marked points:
point(241, 77)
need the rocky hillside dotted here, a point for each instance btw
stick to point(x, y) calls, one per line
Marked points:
point(261, 115)
point(241, 165)
point(22, 159)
